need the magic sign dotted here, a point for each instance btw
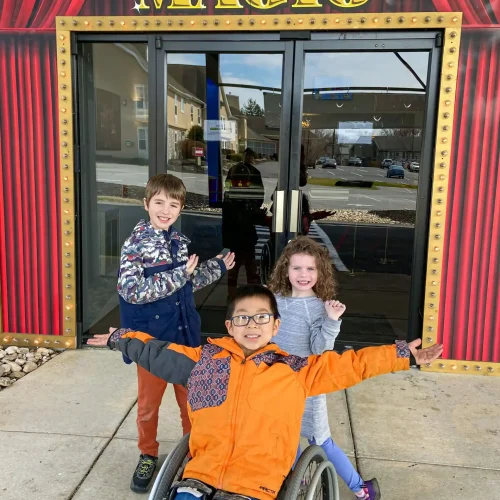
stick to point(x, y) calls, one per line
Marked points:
point(144, 5)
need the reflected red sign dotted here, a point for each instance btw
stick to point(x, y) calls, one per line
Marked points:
point(198, 152)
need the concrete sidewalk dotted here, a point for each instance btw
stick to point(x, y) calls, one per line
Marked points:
point(67, 431)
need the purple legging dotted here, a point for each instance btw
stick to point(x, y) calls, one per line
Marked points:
point(341, 462)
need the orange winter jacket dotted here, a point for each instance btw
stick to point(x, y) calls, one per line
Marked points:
point(246, 413)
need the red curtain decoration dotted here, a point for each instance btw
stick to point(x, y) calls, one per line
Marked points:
point(470, 290)
point(29, 205)
point(30, 267)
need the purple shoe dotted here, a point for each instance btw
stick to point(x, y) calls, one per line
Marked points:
point(371, 490)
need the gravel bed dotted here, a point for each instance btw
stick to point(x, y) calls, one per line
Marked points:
point(17, 362)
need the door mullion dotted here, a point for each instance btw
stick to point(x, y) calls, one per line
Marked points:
point(295, 135)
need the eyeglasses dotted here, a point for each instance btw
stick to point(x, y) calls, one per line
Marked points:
point(259, 319)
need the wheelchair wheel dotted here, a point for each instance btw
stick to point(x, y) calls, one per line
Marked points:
point(313, 478)
point(171, 470)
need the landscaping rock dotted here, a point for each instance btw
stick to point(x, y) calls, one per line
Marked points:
point(5, 382)
point(29, 367)
point(17, 362)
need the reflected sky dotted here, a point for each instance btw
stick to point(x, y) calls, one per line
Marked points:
point(345, 69)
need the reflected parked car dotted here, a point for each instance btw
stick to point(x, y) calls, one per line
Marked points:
point(330, 163)
point(353, 160)
point(386, 163)
point(414, 167)
point(396, 171)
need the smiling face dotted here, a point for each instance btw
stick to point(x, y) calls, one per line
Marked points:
point(253, 336)
point(303, 274)
point(163, 210)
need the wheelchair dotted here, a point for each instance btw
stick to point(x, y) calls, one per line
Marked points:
point(312, 478)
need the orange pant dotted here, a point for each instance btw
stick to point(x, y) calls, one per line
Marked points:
point(150, 394)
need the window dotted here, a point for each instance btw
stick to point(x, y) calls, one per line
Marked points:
point(192, 113)
point(175, 108)
point(142, 133)
point(141, 101)
point(199, 116)
point(182, 104)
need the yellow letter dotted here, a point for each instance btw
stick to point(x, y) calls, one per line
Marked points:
point(181, 4)
point(306, 3)
point(228, 4)
point(347, 4)
point(259, 4)
point(142, 5)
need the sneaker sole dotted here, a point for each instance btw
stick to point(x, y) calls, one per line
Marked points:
point(139, 489)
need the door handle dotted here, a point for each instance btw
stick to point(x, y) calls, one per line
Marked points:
point(294, 211)
point(279, 212)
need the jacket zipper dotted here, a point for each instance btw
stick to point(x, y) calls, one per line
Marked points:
point(233, 423)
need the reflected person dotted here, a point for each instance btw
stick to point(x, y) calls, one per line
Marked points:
point(241, 212)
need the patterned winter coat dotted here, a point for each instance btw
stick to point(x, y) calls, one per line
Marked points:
point(246, 413)
point(156, 292)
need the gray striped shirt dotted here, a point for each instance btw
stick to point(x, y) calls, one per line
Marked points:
point(306, 329)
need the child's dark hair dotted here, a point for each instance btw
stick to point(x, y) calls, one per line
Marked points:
point(248, 291)
point(168, 183)
point(325, 288)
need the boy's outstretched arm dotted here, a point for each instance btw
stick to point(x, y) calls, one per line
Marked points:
point(168, 361)
point(211, 270)
point(333, 372)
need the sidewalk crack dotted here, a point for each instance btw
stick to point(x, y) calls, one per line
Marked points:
point(99, 455)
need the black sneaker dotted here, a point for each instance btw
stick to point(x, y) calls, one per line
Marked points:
point(143, 474)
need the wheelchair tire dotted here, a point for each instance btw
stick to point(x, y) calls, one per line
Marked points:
point(171, 470)
point(297, 484)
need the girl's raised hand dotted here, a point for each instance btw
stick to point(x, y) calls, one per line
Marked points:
point(334, 309)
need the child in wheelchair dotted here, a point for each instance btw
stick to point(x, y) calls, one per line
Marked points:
point(246, 397)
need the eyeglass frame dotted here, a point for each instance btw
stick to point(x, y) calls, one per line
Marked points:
point(270, 315)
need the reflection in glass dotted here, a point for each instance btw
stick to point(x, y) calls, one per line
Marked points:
point(363, 115)
point(115, 153)
point(224, 146)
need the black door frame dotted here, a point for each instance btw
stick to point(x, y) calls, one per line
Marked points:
point(292, 90)
point(423, 41)
point(266, 43)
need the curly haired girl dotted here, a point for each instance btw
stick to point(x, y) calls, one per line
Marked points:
point(304, 285)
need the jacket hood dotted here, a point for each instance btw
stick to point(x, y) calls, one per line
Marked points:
point(144, 229)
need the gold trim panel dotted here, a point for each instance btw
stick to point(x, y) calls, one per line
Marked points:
point(262, 22)
point(449, 21)
point(66, 165)
point(463, 367)
point(440, 186)
point(33, 340)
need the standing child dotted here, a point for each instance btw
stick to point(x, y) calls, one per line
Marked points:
point(303, 282)
point(156, 283)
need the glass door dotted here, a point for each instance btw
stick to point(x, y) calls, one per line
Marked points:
point(226, 109)
point(364, 133)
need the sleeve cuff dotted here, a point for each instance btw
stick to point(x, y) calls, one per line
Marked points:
point(402, 349)
point(116, 336)
point(221, 264)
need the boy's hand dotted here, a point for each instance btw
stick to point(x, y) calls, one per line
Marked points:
point(427, 355)
point(228, 260)
point(101, 339)
point(191, 264)
point(334, 309)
